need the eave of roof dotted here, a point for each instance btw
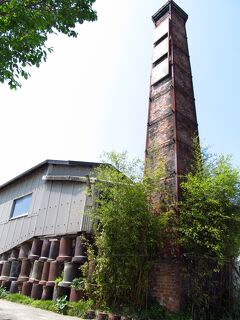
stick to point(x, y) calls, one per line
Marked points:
point(48, 162)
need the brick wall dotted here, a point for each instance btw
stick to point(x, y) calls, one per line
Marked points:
point(172, 125)
point(166, 284)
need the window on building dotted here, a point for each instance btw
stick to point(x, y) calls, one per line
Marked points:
point(21, 206)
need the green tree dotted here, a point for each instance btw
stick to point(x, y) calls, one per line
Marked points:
point(24, 29)
point(136, 219)
point(127, 234)
point(209, 229)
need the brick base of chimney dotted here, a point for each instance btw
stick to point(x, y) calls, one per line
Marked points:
point(166, 284)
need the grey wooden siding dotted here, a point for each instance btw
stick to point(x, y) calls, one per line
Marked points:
point(57, 207)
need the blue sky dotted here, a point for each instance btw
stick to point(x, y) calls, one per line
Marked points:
point(92, 94)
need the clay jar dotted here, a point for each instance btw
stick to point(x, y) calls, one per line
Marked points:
point(5, 270)
point(70, 272)
point(27, 288)
point(36, 249)
point(114, 317)
point(14, 254)
point(90, 314)
point(75, 295)
point(24, 251)
point(36, 291)
point(14, 287)
point(4, 257)
point(47, 293)
point(54, 272)
point(25, 270)
point(14, 271)
point(37, 271)
point(45, 250)
point(80, 252)
point(60, 291)
point(54, 250)
point(65, 250)
point(45, 273)
point(6, 284)
point(102, 316)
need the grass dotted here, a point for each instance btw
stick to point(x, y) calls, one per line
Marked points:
point(41, 304)
point(80, 308)
point(44, 304)
point(16, 297)
point(77, 309)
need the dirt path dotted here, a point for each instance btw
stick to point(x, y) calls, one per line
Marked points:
point(15, 311)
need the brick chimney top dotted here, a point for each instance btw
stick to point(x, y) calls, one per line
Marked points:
point(164, 9)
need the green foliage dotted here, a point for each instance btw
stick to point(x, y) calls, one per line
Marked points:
point(127, 234)
point(44, 304)
point(209, 232)
point(41, 304)
point(77, 284)
point(3, 292)
point(16, 297)
point(61, 305)
point(80, 308)
point(177, 316)
point(153, 312)
point(58, 280)
point(210, 210)
point(77, 309)
point(24, 29)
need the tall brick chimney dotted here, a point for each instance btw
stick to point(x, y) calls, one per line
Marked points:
point(172, 125)
point(172, 121)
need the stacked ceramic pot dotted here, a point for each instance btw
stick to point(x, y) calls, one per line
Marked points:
point(44, 269)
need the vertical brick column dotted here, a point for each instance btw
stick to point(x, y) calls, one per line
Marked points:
point(165, 283)
point(172, 121)
point(171, 127)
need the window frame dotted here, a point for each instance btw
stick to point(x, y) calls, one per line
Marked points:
point(14, 205)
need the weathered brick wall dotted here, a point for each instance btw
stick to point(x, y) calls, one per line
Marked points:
point(172, 125)
point(186, 120)
point(166, 284)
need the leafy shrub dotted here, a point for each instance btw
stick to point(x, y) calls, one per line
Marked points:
point(77, 284)
point(58, 280)
point(80, 308)
point(77, 309)
point(208, 228)
point(3, 292)
point(61, 305)
point(127, 234)
point(154, 312)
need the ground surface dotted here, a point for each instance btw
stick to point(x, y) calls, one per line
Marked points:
point(15, 311)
